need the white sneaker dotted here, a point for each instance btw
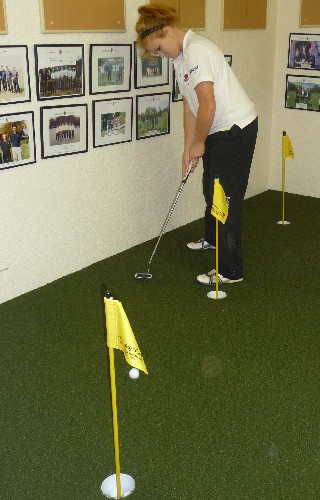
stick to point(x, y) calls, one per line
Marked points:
point(201, 244)
point(209, 278)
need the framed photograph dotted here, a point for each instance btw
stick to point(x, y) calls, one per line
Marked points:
point(14, 74)
point(64, 130)
point(176, 96)
point(110, 68)
point(17, 144)
point(228, 58)
point(304, 51)
point(59, 71)
point(112, 121)
point(150, 71)
point(153, 115)
point(303, 92)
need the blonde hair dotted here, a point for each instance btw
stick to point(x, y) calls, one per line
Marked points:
point(152, 18)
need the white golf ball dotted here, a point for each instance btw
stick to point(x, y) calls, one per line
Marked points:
point(134, 373)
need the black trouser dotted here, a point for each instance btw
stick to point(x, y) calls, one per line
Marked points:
point(228, 157)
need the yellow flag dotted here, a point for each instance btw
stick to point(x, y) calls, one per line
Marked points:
point(120, 334)
point(219, 205)
point(287, 150)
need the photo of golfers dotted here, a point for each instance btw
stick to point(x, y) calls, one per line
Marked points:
point(59, 71)
point(64, 129)
point(14, 142)
point(304, 51)
point(110, 71)
point(113, 124)
point(151, 67)
point(303, 93)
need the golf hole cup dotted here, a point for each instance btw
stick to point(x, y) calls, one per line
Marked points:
point(109, 486)
point(134, 373)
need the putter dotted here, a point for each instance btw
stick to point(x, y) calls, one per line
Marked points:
point(148, 275)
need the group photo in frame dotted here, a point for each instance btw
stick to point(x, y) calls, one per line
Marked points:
point(59, 71)
point(150, 71)
point(152, 115)
point(176, 96)
point(112, 121)
point(17, 143)
point(14, 74)
point(304, 51)
point(64, 130)
point(110, 68)
point(303, 92)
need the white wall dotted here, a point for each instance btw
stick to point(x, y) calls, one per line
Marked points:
point(302, 173)
point(62, 214)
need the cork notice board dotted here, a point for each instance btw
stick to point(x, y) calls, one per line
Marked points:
point(82, 15)
point(309, 13)
point(244, 14)
point(192, 13)
point(3, 20)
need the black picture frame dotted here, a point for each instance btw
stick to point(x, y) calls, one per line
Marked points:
point(304, 51)
point(14, 74)
point(228, 58)
point(152, 115)
point(64, 130)
point(112, 121)
point(60, 71)
point(176, 96)
point(150, 71)
point(302, 92)
point(10, 155)
point(110, 68)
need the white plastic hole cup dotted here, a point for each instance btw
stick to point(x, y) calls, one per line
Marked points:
point(213, 295)
point(109, 486)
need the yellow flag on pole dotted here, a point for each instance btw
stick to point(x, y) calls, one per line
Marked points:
point(287, 150)
point(120, 334)
point(219, 203)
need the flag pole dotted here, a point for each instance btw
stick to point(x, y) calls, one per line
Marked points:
point(119, 336)
point(115, 420)
point(283, 177)
point(217, 294)
point(217, 259)
point(284, 155)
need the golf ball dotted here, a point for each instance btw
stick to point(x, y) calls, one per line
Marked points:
point(134, 373)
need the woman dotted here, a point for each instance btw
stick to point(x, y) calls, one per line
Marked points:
point(220, 125)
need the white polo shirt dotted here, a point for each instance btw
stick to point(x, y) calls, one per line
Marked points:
point(202, 61)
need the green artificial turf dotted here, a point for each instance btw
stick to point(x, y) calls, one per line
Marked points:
point(230, 408)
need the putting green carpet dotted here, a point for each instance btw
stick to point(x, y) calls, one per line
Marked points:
point(230, 408)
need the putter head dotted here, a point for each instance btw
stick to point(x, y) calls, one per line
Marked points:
point(143, 276)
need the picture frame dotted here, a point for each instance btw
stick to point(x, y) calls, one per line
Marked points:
point(20, 149)
point(302, 92)
point(150, 71)
point(110, 68)
point(176, 96)
point(304, 51)
point(152, 115)
point(112, 121)
point(59, 71)
point(228, 58)
point(3, 19)
point(64, 130)
point(14, 74)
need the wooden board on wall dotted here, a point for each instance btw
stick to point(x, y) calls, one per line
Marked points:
point(244, 14)
point(192, 13)
point(309, 13)
point(82, 15)
point(3, 19)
